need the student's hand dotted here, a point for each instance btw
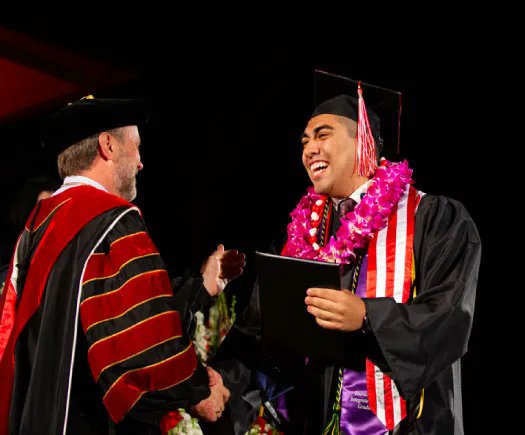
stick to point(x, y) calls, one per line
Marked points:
point(220, 268)
point(336, 309)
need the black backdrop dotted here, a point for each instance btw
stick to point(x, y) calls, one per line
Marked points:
point(222, 152)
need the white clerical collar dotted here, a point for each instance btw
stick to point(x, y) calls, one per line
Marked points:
point(78, 180)
point(356, 194)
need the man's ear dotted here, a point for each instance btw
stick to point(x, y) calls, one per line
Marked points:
point(106, 146)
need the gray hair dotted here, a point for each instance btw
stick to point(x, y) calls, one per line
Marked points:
point(80, 156)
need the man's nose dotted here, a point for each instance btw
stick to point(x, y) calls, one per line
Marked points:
point(311, 148)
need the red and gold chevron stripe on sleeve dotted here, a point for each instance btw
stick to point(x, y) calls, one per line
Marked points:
point(132, 385)
point(132, 341)
point(135, 338)
point(139, 244)
point(135, 291)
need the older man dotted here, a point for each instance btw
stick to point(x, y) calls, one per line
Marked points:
point(92, 338)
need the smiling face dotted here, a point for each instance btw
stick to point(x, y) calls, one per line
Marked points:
point(329, 147)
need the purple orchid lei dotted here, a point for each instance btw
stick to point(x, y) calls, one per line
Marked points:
point(359, 226)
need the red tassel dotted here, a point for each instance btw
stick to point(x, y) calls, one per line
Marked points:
point(366, 149)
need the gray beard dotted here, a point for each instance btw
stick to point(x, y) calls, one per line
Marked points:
point(126, 183)
point(128, 190)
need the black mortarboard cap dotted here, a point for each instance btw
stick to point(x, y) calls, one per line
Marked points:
point(89, 116)
point(337, 95)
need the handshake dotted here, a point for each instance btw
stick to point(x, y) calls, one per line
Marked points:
point(220, 268)
point(211, 408)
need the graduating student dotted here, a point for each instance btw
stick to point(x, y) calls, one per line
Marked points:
point(410, 265)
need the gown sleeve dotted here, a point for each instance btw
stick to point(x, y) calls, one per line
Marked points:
point(137, 349)
point(190, 296)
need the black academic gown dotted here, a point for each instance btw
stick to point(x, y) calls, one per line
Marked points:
point(48, 390)
point(419, 344)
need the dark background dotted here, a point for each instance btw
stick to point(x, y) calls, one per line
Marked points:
point(222, 156)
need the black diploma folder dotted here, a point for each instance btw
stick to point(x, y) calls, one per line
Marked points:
point(286, 325)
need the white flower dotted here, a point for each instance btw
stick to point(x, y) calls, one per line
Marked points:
point(187, 426)
point(315, 246)
point(201, 338)
point(313, 231)
point(319, 202)
point(209, 334)
point(314, 216)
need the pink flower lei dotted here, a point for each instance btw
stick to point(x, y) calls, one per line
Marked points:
point(359, 226)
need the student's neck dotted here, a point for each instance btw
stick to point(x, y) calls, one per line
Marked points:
point(355, 183)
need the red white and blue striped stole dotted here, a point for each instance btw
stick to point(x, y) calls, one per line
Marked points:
point(389, 275)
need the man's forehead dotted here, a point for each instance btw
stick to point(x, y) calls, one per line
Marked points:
point(328, 119)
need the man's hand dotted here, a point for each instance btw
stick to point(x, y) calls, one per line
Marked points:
point(215, 377)
point(220, 268)
point(211, 408)
point(336, 309)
